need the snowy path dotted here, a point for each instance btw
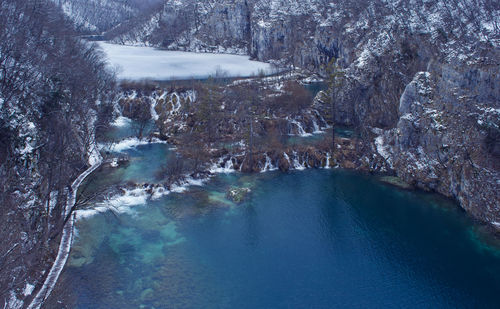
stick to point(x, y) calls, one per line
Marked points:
point(65, 244)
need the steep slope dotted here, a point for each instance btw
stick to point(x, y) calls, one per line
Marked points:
point(98, 16)
point(53, 94)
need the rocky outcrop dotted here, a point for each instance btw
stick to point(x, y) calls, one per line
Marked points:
point(448, 136)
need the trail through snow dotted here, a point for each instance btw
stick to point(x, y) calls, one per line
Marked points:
point(66, 238)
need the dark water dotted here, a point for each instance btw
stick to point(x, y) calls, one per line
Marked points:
point(312, 239)
point(316, 87)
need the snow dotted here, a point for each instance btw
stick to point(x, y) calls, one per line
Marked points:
point(383, 149)
point(28, 289)
point(13, 302)
point(140, 62)
point(67, 234)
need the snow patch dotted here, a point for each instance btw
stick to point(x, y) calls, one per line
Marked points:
point(28, 289)
point(383, 149)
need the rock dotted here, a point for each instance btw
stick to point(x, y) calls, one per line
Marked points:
point(283, 163)
point(147, 295)
point(441, 144)
point(237, 195)
point(395, 181)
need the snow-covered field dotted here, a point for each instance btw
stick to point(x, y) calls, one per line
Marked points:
point(138, 62)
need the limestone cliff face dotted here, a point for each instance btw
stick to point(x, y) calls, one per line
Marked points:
point(447, 138)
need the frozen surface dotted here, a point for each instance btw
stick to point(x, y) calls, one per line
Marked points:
point(139, 62)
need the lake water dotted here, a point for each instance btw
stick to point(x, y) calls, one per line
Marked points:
point(139, 62)
point(310, 239)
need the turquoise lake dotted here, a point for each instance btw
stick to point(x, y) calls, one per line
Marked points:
point(308, 239)
point(311, 239)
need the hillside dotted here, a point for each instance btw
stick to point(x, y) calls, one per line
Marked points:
point(54, 93)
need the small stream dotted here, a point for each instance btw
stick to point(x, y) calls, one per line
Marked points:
point(308, 239)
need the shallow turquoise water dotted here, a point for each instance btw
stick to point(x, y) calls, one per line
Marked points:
point(310, 239)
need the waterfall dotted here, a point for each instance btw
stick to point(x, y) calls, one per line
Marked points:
point(191, 95)
point(317, 129)
point(218, 169)
point(296, 163)
point(286, 158)
point(322, 120)
point(154, 114)
point(154, 103)
point(268, 166)
point(300, 129)
point(327, 165)
point(229, 164)
point(177, 106)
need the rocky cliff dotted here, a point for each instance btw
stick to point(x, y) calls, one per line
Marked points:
point(448, 135)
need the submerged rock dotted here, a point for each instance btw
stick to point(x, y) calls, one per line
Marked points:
point(396, 181)
point(238, 195)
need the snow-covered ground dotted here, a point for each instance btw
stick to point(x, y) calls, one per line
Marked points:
point(139, 62)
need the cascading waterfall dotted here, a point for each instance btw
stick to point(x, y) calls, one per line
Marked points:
point(296, 162)
point(154, 114)
point(154, 103)
point(287, 158)
point(300, 129)
point(327, 165)
point(322, 119)
point(177, 106)
point(268, 166)
point(218, 169)
point(306, 161)
point(229, 164)
point(317, 129)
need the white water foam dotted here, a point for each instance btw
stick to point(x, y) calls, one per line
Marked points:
point(268, 167)
point(227, 169)
point(327, 166)
point(187, 182)
point(296, 163)
point(130, 198)
point(300, 129)
point(129, 143)
point(317, 129)
point(121, 121)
